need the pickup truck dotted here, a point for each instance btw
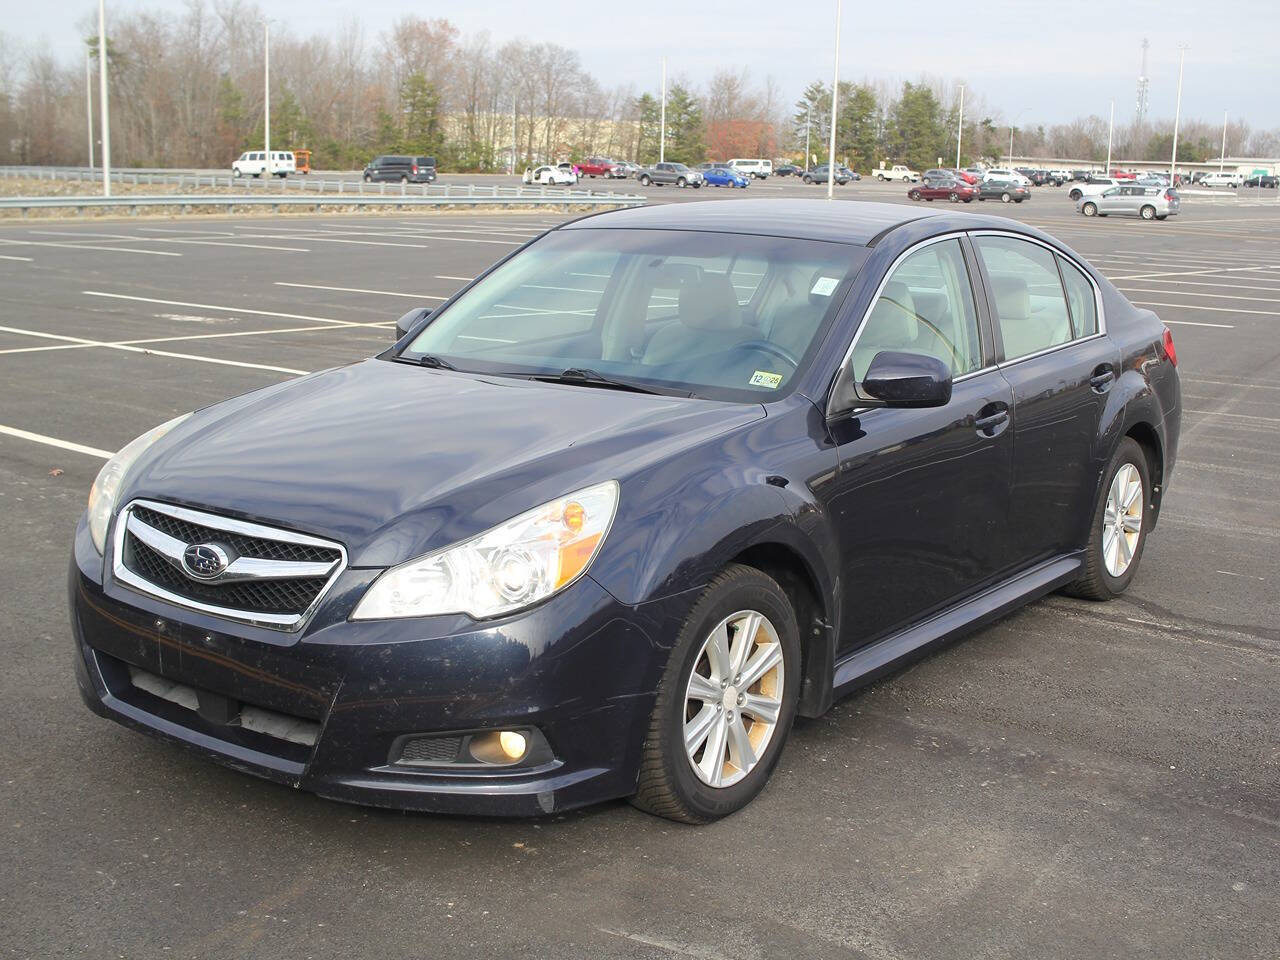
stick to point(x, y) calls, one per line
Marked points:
point(666, 173)
point(599, 167)
point(898, 172)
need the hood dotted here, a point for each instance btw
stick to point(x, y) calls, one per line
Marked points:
point(394, 460)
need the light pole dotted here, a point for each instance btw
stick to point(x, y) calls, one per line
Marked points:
point(662, 122)
point(88, 101)
point(102, 94)
point(808, 111)
point(266, 93)
point(1222, 159)
point(835, 97)
point(960, 127)
point(1111, 132)
point(1177, 114)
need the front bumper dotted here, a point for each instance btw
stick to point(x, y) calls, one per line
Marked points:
point(581, 668)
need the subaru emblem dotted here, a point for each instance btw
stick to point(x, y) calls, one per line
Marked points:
point(204, 561)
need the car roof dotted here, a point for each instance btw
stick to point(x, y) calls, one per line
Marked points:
point(846, 221)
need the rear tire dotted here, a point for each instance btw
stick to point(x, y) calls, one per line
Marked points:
point(1075, 194)
point(1106, 574)
point(674, 782)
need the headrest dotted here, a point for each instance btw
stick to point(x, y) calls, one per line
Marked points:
point(709, 303)
point(1013, 299)
point(894, 314)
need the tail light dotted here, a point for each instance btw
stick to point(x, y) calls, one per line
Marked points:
point(1168, 195)
point(415, 169)
point(1169, 352)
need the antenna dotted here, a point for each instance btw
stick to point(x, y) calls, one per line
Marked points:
point(1144, 84)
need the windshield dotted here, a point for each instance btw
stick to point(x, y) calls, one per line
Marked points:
point(721, 316)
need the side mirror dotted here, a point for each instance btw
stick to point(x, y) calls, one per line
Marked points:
point(907, 380)
point(412, 322)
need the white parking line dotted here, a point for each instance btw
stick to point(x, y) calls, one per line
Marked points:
point(85, 246)
point(464, 279)
point(1192, 293)
point(1239, 416)
point(55, 442)
point(1187, 273)
point(23, 259)
point(385, 293)
point(384, 324)
point(210, 306)
point(1195, 306)
point(1192, 323)
point(207, 243)
point(128, 348)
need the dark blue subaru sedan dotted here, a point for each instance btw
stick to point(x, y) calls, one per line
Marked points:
point(606, 521)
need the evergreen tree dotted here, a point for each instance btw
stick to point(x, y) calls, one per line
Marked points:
point(648, 110)
point(917, 135)
point(685, 132)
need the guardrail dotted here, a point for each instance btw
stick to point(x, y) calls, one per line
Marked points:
point(564, 199)
point(299, 184)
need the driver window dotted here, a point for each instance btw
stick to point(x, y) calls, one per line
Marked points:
point(926, 307)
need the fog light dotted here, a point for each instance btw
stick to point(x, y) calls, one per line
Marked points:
point(513, 744)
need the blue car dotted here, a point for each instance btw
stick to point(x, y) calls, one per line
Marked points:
point(567, 541)
point(724, 177)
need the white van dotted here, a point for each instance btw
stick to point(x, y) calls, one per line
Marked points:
point(253, 163)
point(752, 167)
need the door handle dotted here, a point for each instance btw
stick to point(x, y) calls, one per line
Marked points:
point(1103, 377)
point(992, 418)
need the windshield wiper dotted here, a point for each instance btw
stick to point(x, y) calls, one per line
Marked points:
point(591, 378)
point(432, 361)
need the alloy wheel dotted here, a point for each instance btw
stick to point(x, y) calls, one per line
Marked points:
point(733, 698)
point(1122, 520)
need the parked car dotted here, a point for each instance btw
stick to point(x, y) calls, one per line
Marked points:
point(1060, 176)
point(943, 189)
point(1131, 200)
point(599, 167)
point(1006, 191)
point(1003, 173)
point(1221, 180)
point(786, 170)
point(1092, 185)
point(724, 176)
point(1123, 175)
point(666, 173)
point(628, 168)
point(865, 452)
point(753, 166)
point(819, 174)
point(898, 172)
point(254, 163)
point(1081, 175)
point(1260, 180)
point(404, 169)
point(550, 176)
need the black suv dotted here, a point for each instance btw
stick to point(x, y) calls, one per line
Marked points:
point(401, 169)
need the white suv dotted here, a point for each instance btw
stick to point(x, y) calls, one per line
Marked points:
point(253, 163)
point(1011, 176)
point(753, 167)
point(1221, 180)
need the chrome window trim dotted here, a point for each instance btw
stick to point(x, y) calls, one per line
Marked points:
point(272, 621)
point(884, 281)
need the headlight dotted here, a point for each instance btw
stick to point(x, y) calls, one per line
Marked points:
point(105, 489)
point(514, 565)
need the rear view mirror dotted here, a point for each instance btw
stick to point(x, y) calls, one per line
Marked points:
point(412, 322)
point(907, 380)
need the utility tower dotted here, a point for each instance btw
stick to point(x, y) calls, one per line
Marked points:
point(1144, 84)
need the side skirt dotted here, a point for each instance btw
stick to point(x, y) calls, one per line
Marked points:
point(863, 665)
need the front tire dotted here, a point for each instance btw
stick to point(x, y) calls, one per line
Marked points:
point(1119, 526)
point(1005, 198)
point(913, 194)
point(807, 178)
point(1089, 209)
point(645, 181)
point(725, 703)
point(1148, 212)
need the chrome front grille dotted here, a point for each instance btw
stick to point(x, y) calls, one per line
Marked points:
point(269, 577)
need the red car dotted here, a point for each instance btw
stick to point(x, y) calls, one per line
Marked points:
point(597, 167)
point(953, 190)
point(1124, 175)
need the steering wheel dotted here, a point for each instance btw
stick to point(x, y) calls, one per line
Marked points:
point(768, 346)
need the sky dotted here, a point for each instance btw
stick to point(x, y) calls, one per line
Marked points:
point(1028, 61)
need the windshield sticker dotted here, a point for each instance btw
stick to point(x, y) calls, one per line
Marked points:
point(823, 286)
point(762, 378)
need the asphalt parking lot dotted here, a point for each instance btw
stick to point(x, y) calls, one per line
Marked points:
point(1078, 780)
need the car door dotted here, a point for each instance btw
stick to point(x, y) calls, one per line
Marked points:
point(921, 496)
point(1061, 365)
